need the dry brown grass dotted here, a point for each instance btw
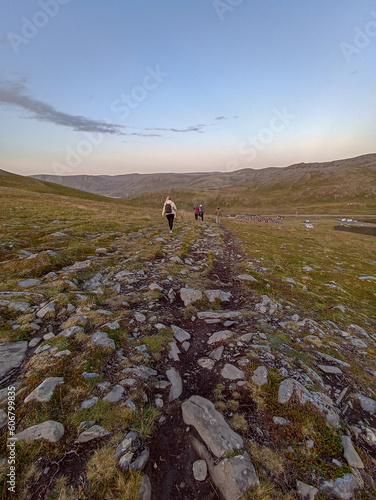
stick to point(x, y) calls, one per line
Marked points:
point(265, 457)
point(239, 422)
point(107, 481)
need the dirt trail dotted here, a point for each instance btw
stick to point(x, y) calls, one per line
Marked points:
point(171, 455)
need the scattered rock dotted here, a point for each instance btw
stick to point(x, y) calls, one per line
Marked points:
point(88, 403)
point(145, 490)
point(29, 282)
point(47, 310)
point(43, 393)
point(49, 431)
point(176, 384)
point(213, 295)
point(200, 470)
point(351, 456)
point(11, 356)
point(305, 491)
point(231, 372)
point(211, 426)
point(73, 330)
point(260, 376)
point(247, 277)
point(368, 404)
point(115, 395)
point(190, 295)
point(101, 339)
point(180, 334)
point(79, 265)
point(220, 336)
point(343, 487)
point(94, 432)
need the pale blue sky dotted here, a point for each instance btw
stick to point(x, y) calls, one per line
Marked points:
point(110, 87)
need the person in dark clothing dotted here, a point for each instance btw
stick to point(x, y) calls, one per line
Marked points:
point(201, 212)
point(197, 211)
point(169, 210)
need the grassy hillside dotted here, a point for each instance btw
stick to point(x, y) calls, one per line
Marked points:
point(320, 188)
point(20, 182)
point(305, 187)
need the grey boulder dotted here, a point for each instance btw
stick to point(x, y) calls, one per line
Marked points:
point(211, 426)
point(49, 431)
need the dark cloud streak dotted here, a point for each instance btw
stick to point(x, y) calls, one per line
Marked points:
point(14, 94)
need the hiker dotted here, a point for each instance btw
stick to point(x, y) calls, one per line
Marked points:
point(201, 213)
point(197, 211)
point(218, 215)
point(169, 209)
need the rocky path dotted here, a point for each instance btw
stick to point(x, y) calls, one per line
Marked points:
point(248, 394)
point(171, 452)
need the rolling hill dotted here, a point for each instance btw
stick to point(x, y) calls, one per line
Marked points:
point(130, 185)
point(318, 187)
point(23, 183)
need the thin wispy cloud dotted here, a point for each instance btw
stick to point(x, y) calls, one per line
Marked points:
point(194, 128)
point(140, 134)
point(15, 95)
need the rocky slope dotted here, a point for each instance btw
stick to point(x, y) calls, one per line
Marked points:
point(247, 396)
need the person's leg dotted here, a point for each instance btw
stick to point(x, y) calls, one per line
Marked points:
point(196, 216)
point(170, 218)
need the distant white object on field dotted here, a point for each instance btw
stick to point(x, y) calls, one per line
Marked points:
point(309, 226)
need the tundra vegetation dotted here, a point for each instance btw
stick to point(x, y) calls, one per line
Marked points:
point(91, 290)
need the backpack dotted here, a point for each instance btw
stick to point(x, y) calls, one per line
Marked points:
point(168, 208)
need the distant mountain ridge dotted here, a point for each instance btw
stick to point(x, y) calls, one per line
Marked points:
point(353, 176)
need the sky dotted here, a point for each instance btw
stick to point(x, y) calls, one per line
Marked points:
point(106, 87)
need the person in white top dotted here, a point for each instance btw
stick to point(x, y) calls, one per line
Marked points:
point(169, 210)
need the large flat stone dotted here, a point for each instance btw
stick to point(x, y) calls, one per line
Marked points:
point(101, 339)
point(212, 295)
point(219, 315)
point(368, 404)
point(232, 476)
point(95, 432)
point(220, 336)
point(231, 372)
point(180, 334)
point(49, 431)
point(176, 384)
point(115, 394)
point(350, 454)
point(343, 487)
point(43, 393)
point(190, 295)
point(11, 356)
point(211, 425)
